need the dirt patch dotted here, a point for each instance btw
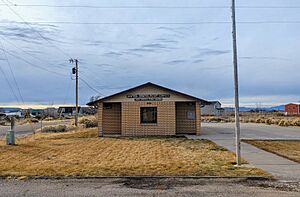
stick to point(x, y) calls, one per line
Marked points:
point(158, 183)
point(281, 186)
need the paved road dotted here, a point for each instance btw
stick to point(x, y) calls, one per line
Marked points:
point(223, 134)
point(146, 187)
point(251, 130)
point(27, 128)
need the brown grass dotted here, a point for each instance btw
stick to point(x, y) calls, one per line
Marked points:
point(82, 153)
point(270, 118)
point(287, 149)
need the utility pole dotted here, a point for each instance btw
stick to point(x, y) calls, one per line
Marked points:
point(75, 71)
point(236, 89)
point(76, 113)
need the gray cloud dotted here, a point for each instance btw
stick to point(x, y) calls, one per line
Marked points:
point(93, 42)
point(210, 52)
point(141, 50)
point(176, 30)
point(262, 58)
point(113, 54)
point(33, 51)
point(173, 62)
point(103, 65)
point(157, 46)
point(21, 31)
point(198, 61)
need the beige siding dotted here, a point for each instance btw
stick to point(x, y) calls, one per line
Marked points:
point(183, 124)
point(112, 119)
point(100, 118)
point(198, 118)
point(131, 125)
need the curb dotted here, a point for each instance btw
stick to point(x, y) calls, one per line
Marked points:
point(269, 139)
point(253, 178)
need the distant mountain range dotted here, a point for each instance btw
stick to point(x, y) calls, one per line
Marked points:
point(273, 108)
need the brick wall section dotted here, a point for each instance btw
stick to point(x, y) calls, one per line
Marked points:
point(183, 124)
point(198, 118)
point(112, 119)
point(131, 125)
point(100, 120)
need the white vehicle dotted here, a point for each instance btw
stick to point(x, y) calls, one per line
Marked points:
point(14, 114)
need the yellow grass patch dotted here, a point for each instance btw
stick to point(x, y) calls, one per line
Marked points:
point(287, 149)
point(82, 153)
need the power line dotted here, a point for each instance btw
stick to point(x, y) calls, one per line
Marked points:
point(150, 7)
point(88, 85)
point(11, 71)
point(34, 65)
point(10, 86)
point(154, 23)
point(28, 24)
point(19, 48)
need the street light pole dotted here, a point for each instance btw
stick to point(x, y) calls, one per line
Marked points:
point(236, 88)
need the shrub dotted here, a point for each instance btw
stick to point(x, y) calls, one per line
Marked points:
point(252, 120)
point(57, 128)
point(89, 122)
point(296, 122)
point(258, 120)
point(48, 119)
point(276, 121)
point(285, 123)
point(269, 121)
point(34, 120)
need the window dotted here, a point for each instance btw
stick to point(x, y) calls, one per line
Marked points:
point(107, 106)
point(148, 115)
point(191, 115)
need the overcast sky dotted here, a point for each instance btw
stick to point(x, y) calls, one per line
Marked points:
point(192, 58)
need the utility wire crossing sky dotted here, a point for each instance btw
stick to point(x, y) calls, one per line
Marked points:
point(123, 44)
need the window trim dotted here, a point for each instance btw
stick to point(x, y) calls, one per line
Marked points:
point(148, 123)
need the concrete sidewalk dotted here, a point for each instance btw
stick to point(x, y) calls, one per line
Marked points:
point(278, 166)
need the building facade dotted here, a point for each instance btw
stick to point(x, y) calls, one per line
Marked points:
point(213, 108)
point(149, 110)
point(292, 109)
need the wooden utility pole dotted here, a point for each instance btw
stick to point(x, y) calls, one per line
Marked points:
point(75, 71)
point(236, 89)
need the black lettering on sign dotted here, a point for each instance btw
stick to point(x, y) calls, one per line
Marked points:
point(146, 97)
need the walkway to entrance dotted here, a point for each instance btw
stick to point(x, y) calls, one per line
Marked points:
point(223, 135)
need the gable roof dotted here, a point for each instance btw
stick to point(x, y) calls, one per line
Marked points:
point(293, 104)
point(144, 85)
point(214, 102)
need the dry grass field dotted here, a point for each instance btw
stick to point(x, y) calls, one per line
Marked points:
point(82, 153)
point(287, 149)
point(270, 118)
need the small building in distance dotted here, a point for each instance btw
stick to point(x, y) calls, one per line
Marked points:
point(68, 111)
point(10, 111)
point(149, 110)
point(292, 109)
point(214, 108)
